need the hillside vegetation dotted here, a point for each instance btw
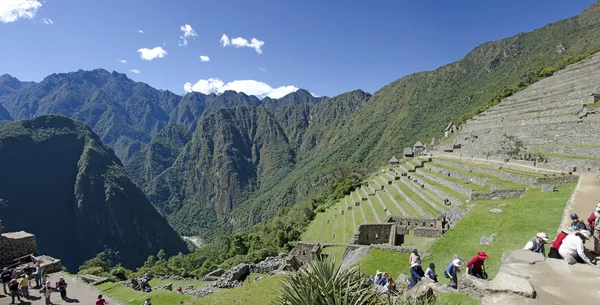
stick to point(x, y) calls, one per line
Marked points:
point(62, 184)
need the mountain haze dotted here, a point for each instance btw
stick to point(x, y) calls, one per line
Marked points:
point(62, 184)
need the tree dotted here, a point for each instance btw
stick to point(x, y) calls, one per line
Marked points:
point(511, 146)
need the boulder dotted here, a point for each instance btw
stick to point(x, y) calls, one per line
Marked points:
point(523, 257)
point(420, 291)
point(503, 298)
point(236, 273)
point(485, 240)
point(473, 282)
point(403, 278)
point(270, 264)
point(168, 286)
point(496, 211)
point(506, 283)
point(214, 275)
point(547, 188)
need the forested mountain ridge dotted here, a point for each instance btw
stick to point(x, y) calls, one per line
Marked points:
point(62, 184)
point(126, 114)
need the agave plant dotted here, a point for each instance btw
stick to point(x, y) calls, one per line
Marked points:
point(324, 282)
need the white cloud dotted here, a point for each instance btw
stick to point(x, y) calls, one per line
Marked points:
point(123, 61)
point(204, 58)
point(150, 54)
point(250, 87)
point(136, 71)
point(47, 21)
point(188, 31)
point(240, 42)
point(140, 31)
point(262, 69)
point(225, 41)
point(13, 10)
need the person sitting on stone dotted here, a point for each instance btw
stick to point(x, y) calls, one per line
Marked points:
point(537, 243)
point(414, 258)
point(415, 275)
point(383, 280)
point(577, 225)
point(476, 266)
point(553, 253)
point(572, 249)
point(377, 277)
point(391, 285)
point(430, 273)
point(451, 273)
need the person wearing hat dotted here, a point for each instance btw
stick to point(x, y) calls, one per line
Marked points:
point(572, 249)
point(594, 222)
point(451, 272)
point(13, 286)
point(537, 243)
point(577, 225)
point(377, 277)
point(147, 302)
point(62, 287)
point(476, 266)
point(5, 277)
point(553, 253)
point(430, 273)
point(415, 275)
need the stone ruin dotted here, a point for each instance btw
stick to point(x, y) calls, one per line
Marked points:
point(140, 283)
point(19, 248)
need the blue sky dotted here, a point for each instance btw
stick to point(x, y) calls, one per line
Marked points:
point(325, 46)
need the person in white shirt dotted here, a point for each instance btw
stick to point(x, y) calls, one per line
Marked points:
point(377, 277)
point(430, 273)
point(537, 243)
point(572, 249)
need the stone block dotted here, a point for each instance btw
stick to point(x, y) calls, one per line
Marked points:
point(521, 256)
point(547, 188)
point(506, 283)
point(349, 208)
point(496, 211)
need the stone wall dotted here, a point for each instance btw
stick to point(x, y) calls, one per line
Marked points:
point(558, 180)
point(473, 179)
point(376, 233)
point(497, 173)
point(412, 222)
point(428, 232)
point(501, 194)
point(450, 184)
point(14, 245)
point(417, 191)
point(306, 252)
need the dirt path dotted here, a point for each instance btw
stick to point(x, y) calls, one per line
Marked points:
point(583, 201)
point(78, 292)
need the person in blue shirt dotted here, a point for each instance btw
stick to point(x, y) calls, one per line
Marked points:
point(383, 280)
point(415, 275)
point(452, 273)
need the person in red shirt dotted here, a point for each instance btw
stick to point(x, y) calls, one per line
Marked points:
point(476, 267)
point(101, 301)
point(556, 244)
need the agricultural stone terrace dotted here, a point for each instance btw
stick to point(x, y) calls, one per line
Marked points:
point(421, 188)
point(556, 117)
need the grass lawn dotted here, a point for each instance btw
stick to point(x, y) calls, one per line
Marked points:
point(335, 252)
point(493, 179)
point(457, 299)
point(252, 293)
point(520, 220)
point(392, 262)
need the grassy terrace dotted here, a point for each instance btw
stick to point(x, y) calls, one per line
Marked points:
point(506, 170)
point(442, 188)
point(493, 179)
point(418, 200)
point(410, 210)
point(472, 186)
point(511, 234)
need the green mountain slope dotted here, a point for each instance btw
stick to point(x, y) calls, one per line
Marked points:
point(62, 184)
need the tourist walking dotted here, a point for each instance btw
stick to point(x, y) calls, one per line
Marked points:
point(147, 302)
point(594, 222)
point(24, 284)
point(415, 275)
point(46, 291)
point(13, 286)
point(101, 301)
point(414, 258)
point(5, 277)
point(451, 273)
point(38, 275)
point(553, 253)
point(430, 273)
point(537, 243)
point(62, 288)
point(577, 225)
point(572, 249)
point(476, 266)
